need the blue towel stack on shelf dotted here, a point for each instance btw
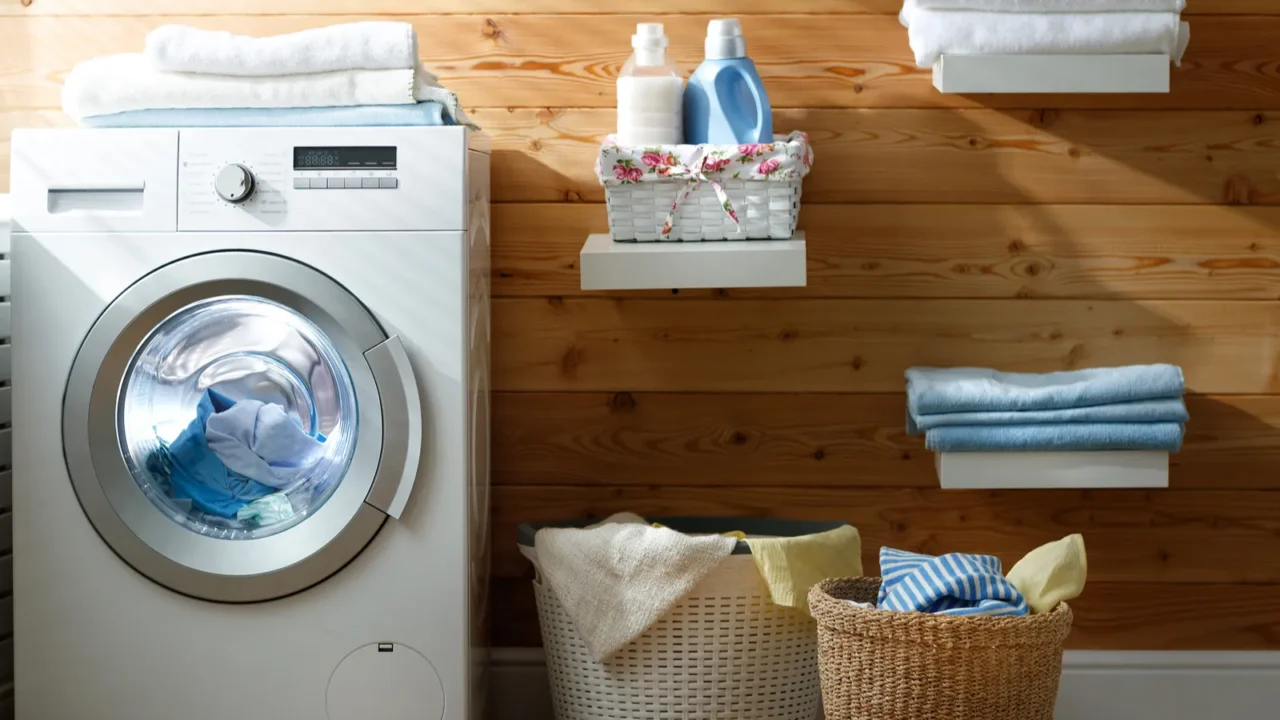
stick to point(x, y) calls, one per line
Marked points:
point(1138, 407)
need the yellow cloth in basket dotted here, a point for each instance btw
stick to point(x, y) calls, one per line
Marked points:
point(1052, 573)
point(790, 566)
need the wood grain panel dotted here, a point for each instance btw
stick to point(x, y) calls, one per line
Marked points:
point(1191, 536)
point(807, 61)
point(934, 156)
point(1109, 616)
point(660, 439)
point(692, 344)
point(954, 251)
point(344, 7)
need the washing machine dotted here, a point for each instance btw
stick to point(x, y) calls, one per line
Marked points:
point(336, 276)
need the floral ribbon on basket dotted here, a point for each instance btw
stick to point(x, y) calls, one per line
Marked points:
point(696, 178)
point(778, 161)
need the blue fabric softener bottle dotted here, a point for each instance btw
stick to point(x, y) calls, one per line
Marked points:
point(725, 102)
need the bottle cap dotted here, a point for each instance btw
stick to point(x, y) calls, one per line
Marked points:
point(649, 36)
point(725, 40)
point(650, 44)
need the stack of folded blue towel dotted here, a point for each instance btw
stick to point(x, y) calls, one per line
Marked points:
point(1138, 407)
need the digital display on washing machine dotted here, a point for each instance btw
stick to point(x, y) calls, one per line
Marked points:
point(344, 158)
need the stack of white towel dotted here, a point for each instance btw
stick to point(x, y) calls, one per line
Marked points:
point(1044, 27)
point(365, 73)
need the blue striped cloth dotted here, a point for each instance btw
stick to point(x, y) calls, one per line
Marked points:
point(951, 584)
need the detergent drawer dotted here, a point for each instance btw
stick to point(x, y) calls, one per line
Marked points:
point(119, 180)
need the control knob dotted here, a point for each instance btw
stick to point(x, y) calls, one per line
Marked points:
point(234, 183)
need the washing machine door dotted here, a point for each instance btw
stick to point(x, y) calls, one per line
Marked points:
point(238, 426)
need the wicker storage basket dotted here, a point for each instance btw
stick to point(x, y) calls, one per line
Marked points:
point(766, 210)
point(877, 664)
point(704, 192)
point(724, 652)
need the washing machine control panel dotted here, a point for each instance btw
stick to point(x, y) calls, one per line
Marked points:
point(366, 167)
point(237, 179)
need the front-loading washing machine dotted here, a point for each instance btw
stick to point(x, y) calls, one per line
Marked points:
point(332, 283)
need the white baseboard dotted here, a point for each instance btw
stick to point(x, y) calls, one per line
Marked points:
point(1096, 685)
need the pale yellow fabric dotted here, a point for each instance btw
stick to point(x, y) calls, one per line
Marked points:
point(791, 566)
point(1051, 573)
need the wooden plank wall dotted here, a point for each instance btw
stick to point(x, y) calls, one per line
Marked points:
point(1033, 233)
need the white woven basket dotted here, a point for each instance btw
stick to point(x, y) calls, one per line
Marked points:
point(767, 211)
point(724, 652)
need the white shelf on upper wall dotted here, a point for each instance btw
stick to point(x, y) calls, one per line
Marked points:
point(1052, 74)
point(1040, 470)
point(609, 265)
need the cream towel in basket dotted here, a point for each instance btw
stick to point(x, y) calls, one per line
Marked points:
point(616, 579)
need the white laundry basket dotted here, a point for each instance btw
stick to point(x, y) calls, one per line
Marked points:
point(723, 652)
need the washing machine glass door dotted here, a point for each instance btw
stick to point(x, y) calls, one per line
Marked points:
point(238, 426)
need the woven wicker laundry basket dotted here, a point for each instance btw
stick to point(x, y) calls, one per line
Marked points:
point(723, 652)
point(878, 664)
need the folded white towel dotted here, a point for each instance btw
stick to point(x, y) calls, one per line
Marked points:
point(353, 46)
point(618, 578)
point(933, 33)
point(1044, 6)
point(119, 83)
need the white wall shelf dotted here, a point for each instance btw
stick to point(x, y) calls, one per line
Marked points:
point(1039, 470)
point(609, 265)
point(1052, 74)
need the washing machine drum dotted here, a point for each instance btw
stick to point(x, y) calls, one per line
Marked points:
point(238, 426)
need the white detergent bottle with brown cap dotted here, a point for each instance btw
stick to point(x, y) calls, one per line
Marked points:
point(650, 92)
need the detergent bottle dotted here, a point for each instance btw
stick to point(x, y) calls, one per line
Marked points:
point(649, 92)
point(725, 102)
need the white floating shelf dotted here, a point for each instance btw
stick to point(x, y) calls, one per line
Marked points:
point(1039, 470)
point(1052, 74)
point(609, 265)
